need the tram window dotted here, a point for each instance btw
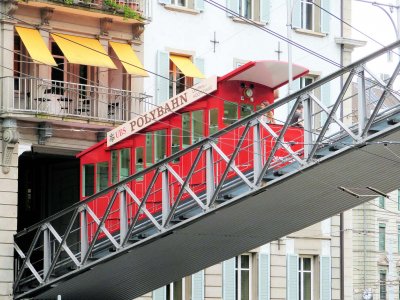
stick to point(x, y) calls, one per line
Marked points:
point(149, 149)
point(125, 159)
point(175, 141)
point(213, 120)
point(246, 110)
point(159, 145)
point(230, 112)
point(139, 161)
point(186, 130)
point(197, 126)
point(114, 166)
point(101, 176)
point(88, 180)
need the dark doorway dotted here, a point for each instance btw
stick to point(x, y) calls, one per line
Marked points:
point(46, 185)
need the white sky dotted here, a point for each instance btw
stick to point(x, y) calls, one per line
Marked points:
point(372, 21)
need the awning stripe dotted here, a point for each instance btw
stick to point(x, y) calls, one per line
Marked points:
point(83, 51)
point(186, 66)
point(129, 59)
point(36, 46)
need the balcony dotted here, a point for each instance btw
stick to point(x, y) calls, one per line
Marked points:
point(128, 9)
point(39, 98)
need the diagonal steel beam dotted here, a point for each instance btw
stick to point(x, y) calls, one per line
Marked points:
point(146, 196)
point(381, 83)
point(28, 263)
point(283, 144)
point(184, 187)
point(62, 245)
point(99, 226)
point(27, 257)
point(229, 164)
point(331, 116)
point(232, 166)
point(380, 101)
point(144, 209)
point(278, 141)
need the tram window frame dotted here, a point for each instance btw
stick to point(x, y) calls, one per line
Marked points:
point(243, 108)
point(101, 176)
point(213, 120)
point(197, 121)
point(186, 132)
point(117, 167)
point(175, 142)
point(228, 108)
point(153, 152)
point(87, 181)
point(139, 162)
point(149, 149)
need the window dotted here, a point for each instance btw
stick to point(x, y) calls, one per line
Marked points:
point(382, 233)
point(243, 277)
point(192, 127)
point(230, 112)
point(256, 10)
point(155, 146)
point(139, 161)
point(178, 81)
point(175, 141)
point(382, 285)
point(101, 176)
point(179, 2)
point(213, 120)
point(120, 162)
point(308, 16)
point(246, 110)
point(381, 202)
point(179, 290)
point(88, 180)
point(306, 278)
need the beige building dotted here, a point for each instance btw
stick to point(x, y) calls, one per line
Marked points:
point(56, 100)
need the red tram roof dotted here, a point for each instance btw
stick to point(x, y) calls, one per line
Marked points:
point(270, 73)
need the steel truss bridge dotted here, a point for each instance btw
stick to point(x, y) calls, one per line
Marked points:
point(351, 154)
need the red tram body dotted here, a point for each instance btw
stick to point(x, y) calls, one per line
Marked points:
point(238, 94)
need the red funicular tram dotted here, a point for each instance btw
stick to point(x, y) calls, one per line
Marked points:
point(182, 121)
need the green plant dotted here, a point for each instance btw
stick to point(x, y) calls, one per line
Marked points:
point(69, 2)
point(129, 13)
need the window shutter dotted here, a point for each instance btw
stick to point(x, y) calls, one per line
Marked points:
point(199, 62)
point(164, 1)
point(325, 278)
point(199, 5)
point(162, 84)
point(228, 281)
point(159, 294)
point(198, 286)
point(325, 17)
point(232, 5)
point(296, 14)
point(263, 276)
point(265, 10)
point(292, 276)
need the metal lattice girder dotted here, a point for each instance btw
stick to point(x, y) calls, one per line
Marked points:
point(157, 225)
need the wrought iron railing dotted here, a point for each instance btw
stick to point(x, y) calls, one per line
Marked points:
point(50, 249)
point(67, 99)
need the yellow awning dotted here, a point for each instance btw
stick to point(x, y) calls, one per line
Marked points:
point(83, 51)
point(186, 66)
point(36, 46)
point(129, 59)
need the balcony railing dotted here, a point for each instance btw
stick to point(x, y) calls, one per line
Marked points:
point(142, 7)
point(67, 99)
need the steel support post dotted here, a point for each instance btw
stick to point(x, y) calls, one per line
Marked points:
point(165, 196)
point(123, 216)
point(46, 251)
point(308, 133)
point(257, 151)
point(210, 180)
point(84, 234)
point(362, 105)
